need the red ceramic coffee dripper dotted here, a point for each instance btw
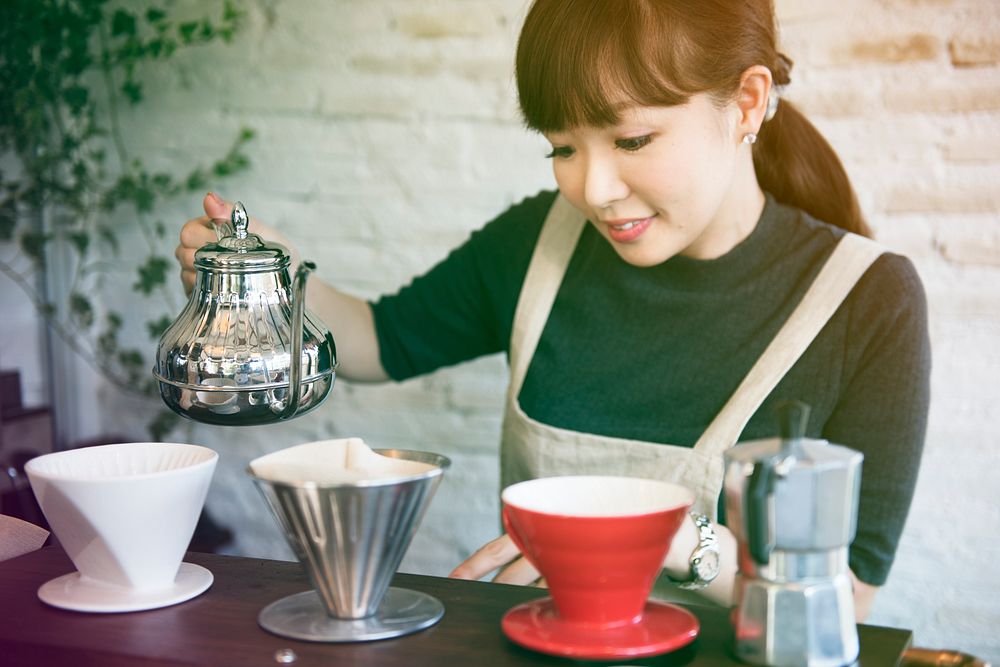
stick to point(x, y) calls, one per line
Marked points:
point(599, 542)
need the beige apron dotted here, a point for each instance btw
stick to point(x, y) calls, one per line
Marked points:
point(530, 449)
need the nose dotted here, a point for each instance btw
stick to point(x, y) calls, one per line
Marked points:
point(603, 184)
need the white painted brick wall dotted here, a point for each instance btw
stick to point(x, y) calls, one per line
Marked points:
point(388, 131)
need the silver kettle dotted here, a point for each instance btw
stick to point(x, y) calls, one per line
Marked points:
point(245, 350)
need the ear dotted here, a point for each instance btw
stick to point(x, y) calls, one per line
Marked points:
point(751, 98)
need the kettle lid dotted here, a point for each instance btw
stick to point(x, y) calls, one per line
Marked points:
point(241, 251)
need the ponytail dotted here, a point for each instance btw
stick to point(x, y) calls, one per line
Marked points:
point(796, 164)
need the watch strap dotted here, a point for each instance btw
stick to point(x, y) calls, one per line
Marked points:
point(708, 546)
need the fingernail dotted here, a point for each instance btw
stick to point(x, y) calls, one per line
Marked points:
point(217, 199)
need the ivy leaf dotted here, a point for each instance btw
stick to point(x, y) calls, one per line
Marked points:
point(196, 180)
point(143, 198)
point(81, 310)
point(162, 424)
point(230, 13)
point(80, 241)
point(33, 245)
point(107, 235)
point(114, 321)
point(122, 23)
point(157, 327)
point(152, 274)
point(8, 219)
point(231, 165)
point(155, 15)
point(80, 170)
point(155, 47)
point(186, 31)
point(76, 97)
point(133, 91)
point(107, 343)
point(130, 359)
point(160, 229)
point(165, 183)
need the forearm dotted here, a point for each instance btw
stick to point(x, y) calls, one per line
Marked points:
point(351, 322)
point(353, 327)
point(348, 318)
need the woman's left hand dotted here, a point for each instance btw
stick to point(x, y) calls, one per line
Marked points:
point(500, 553)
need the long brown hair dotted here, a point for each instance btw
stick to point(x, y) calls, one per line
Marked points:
point(578, 60)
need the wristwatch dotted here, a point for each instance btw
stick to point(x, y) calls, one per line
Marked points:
point(705, 558)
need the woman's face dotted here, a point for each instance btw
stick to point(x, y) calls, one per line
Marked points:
point(664, 181)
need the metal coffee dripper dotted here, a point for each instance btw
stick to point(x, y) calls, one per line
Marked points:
point(245, 350)
point(792, 504)
point(350, 537)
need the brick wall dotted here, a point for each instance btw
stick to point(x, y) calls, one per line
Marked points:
point(388, 131)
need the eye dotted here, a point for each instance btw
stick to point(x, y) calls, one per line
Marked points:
point(632, 144)
point(560, 151)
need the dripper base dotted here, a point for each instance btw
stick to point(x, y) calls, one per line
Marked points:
point(77, 593)
point(302, 616)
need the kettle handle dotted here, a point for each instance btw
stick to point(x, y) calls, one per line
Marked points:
point(296, 333)
point(793, 419)
point(760, 486)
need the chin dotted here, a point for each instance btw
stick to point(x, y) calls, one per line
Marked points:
point(641, 259)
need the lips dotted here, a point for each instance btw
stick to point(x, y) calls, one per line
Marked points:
point(628, 229)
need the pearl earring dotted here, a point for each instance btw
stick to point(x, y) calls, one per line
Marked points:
point(750, 138)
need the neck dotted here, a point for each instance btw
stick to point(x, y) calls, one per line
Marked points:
point(736, 217)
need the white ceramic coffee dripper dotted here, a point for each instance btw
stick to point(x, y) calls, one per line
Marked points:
point(124, 514)
point(349, 513)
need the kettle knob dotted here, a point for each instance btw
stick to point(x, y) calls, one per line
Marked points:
point(793, 417)
point(240, 219)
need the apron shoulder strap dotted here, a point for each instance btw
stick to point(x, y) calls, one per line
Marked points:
point(556, 243)
point(852, 256)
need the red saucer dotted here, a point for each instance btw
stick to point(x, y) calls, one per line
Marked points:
point(662, 628)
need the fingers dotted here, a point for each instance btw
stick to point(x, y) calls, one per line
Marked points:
point(493, 555)
point(194, 234)
point(197, 232)
point(520, 573)
point(185, 255)
point(216, 207)
point(187, 279)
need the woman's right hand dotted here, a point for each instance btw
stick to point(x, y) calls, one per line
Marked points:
point(201, 230)
point(501, 554)
point(197, 232)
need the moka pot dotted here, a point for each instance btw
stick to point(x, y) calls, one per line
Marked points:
point(792, 504)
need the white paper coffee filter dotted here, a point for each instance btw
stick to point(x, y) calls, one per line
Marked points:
point(330, 462)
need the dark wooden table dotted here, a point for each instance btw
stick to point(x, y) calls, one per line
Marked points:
point(219, 628)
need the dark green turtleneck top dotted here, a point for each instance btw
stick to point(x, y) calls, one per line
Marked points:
point(653, 353)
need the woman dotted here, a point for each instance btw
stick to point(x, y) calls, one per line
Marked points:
point(694, 211)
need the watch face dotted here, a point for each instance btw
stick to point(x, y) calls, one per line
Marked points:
point(707, 566)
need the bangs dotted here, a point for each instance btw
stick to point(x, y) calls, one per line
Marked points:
point(580, 61)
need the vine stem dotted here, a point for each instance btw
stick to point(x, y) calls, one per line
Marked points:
point(119, 141)
point(64, 334)
point(109, 84)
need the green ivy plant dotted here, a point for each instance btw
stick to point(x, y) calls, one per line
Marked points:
point(67, 68)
